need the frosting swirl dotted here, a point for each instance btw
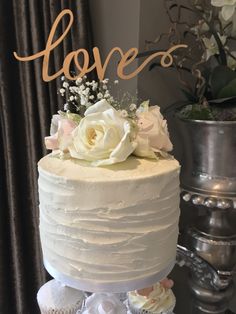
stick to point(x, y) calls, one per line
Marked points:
point(160, 300)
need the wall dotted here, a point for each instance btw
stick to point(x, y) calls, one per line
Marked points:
point(160, 85)
point(116, 24)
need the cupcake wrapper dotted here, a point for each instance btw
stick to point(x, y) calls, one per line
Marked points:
point(70, 310)
point(133, 310)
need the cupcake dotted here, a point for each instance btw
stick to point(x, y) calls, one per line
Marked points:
point(158, 299)
point(54, 297)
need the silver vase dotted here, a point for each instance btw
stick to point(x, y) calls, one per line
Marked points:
point(208, 181)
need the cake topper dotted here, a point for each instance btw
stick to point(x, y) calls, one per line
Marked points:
point(126, 57)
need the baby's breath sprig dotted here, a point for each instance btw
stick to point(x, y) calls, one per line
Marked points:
point(81, 94)
point(127, 105)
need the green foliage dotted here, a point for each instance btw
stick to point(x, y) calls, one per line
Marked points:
point(206, 112)
point(223, 82)
point(222, 95)
point(195, 112)
point(209, 61)
point(229, 90)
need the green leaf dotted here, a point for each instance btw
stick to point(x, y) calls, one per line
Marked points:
point(223, 101)
point(74, 116)
point(228, 91)
point(220, 77)
point(206, 73)
point(144, 105)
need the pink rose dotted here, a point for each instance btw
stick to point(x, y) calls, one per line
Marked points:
point(167, 283)
point(153, 135)
point(60, 133)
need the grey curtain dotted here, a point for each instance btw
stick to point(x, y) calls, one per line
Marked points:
point(26, 107)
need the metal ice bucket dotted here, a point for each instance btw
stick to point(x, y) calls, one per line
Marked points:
point(209, 157)
point(208, 181)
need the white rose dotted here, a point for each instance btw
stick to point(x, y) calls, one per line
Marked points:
point(152, 136)
point(104, 303)
point(228, 7)
point(211, 45)
point(230, 30)
point(102, 137)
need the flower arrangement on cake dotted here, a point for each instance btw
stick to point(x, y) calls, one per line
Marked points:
point(102, 130)
point(207, 68)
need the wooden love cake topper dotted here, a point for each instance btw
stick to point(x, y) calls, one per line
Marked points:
point(126, 58)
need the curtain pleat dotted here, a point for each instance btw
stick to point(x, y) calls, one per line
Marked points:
point(26, 106)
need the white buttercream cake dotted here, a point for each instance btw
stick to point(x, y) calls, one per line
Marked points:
point(110, 228)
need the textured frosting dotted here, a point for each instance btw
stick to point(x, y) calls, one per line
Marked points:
point(108, 224)
point(160, 300)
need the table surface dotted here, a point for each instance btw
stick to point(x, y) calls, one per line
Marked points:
point(184, 300)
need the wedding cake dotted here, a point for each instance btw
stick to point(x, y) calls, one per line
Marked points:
point(103, 227)
point(109, 198)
